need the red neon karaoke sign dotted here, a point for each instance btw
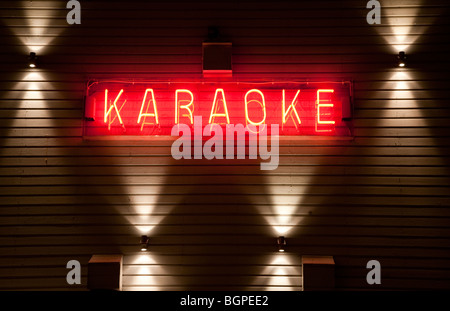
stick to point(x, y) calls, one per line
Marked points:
point(153, 108)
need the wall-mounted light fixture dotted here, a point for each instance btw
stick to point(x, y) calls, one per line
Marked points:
point(32, 60)
point(144, 243)
point(401, 59)
point(281, 242)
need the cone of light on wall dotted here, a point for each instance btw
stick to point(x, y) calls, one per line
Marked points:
point(32, 60)
point(401, 59)
point(144, 243)
point(281, 242)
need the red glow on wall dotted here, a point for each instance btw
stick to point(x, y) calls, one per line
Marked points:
point(154, 108)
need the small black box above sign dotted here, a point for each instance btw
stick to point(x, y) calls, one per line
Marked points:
point(217, 59)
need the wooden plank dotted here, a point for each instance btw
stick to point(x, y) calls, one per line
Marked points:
point(107, 57)
point(44, 123)
point(219, 250)
point(35, 272)
point(403, 172)
point(230, 240)
point(212, 281)
point(212, 198)
point(19, 74)
point(284, 152)
point(152, 270)
point(244, 5)
point(166, 160)
point(225, 181)
point(392, 263)
point(401, 113)
point(138, 11)
point(56, 141)
point(438, 132)
point(269, 211)
point(294, 174)
point(40, 104)
point(195, 287)
point(249, 31)
point(178, 39)
point(228, 190)
point(39, 132)
point(115, 231)
point(323, 17)
point(40, 114)
point(211, 220)
point(40, 284)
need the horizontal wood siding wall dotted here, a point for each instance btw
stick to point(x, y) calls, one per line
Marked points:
point(383, 195)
